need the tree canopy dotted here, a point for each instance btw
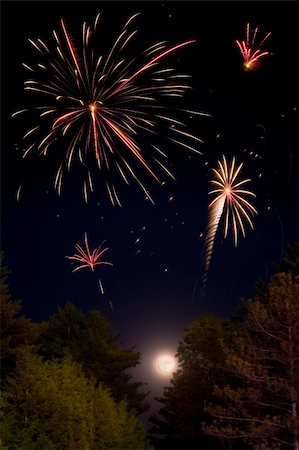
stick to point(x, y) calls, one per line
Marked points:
point(237, 385)
point(263, 409)
point(52, 404)
point(64, 383)
point(16, 331)
point(88, 339)
point(201, 364)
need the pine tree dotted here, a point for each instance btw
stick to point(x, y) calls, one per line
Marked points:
point(201, 364)
point(263, 409)
point(52, 405)
point(16, 331)
point(290, 260)
point(88, 339)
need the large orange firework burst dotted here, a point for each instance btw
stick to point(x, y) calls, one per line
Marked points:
point(250, 49)
point(103, 106)
point(230, 199)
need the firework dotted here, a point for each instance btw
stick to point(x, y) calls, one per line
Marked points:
point(100, 105)
point(230, 199)
point(251, 51)
point(86, 258)
point(101, 286)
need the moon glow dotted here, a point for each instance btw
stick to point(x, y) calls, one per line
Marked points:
point(165, 364)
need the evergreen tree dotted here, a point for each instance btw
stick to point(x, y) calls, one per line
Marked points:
point(16, 331)
point(88, 339)
point(52, 405)
point(288, 264)
point(263, 409)
point(290, 260)
point(201, 364)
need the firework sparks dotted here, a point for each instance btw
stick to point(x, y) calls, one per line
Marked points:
point(100, 104)
point(251, 51)
point(230, 198)
point(101, 286)
point(86, 258)
point(19, 192)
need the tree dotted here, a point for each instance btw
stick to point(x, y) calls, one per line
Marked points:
point(263, 409)
point(51, 404)
point(201, 364)
point(290, 260)
point(88, 339)
point(16, 331)
point(288, 264)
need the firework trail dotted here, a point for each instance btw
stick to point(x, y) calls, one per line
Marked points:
point(101, 286)
point(214, 218)
point(100, 105)
point(86, 258)
point(230, 199)
point(111, 305)
point(250, 50)
point(19, 192)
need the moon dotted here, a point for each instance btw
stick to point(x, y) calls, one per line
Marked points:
point(165, 364)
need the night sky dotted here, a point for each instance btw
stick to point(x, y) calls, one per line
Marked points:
point(153, 290)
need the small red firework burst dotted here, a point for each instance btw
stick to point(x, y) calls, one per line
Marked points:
point(88, 258)
point(251, 50)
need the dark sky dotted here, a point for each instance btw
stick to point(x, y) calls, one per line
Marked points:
point(156, 292)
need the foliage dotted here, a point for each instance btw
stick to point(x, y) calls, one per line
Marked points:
point(238, 379)
point(201, 364)
point(51, 404)
point(87, 338)
point(16, 332)
point(263, 409)
point(288, 264)
point(290, 260)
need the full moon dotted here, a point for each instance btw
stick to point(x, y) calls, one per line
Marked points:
point(165, 364)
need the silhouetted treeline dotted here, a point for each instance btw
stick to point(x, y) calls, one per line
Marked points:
point(64, 382)
point(237, 385)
